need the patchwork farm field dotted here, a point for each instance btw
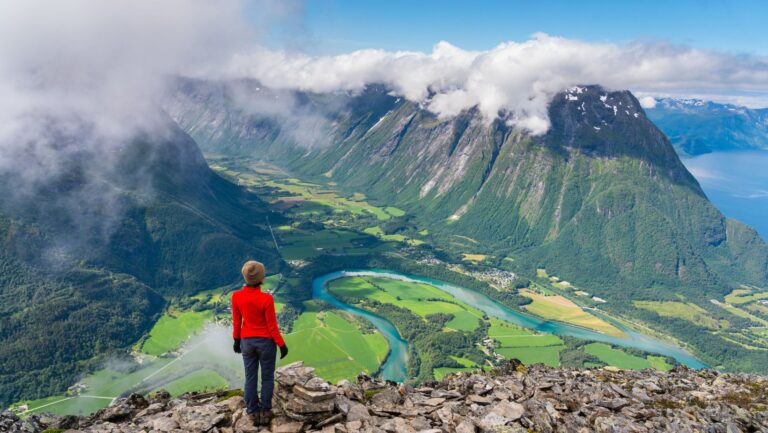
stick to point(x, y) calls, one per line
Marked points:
point(525, 345)
point(556, 307)
point(421, 299)
point(292, 190)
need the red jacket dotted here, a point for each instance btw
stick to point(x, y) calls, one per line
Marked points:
point(253, 315)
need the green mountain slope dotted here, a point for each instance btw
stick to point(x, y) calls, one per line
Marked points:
point(602, 199)
point(86, 264)
point(603, 190)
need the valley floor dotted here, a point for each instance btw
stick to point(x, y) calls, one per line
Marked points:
point(189, 349)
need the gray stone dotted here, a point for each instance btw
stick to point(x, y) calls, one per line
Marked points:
point(358, 412)
point(466, 426)
point(285, 425)
point(294, 373)
point(164, 424)
point(312, 394)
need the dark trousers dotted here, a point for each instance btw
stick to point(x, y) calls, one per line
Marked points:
point(259, 352)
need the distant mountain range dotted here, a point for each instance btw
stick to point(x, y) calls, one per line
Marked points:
point(697, 127)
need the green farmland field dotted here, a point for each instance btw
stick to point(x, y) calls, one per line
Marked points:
point(616, 357)
point(200, 380)
point(335, 346)
point(173, 329)
point(525, 345)
point(421, 299)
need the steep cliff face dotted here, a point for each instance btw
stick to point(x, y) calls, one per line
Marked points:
point(602, 197)
point(511, 398)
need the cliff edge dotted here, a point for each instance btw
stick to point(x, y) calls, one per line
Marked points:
point(509, 399)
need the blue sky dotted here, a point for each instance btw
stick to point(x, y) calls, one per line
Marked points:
point(337, 26)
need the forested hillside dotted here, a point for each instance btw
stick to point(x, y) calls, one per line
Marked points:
point(81, 278)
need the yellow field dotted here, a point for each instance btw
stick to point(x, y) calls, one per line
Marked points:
point(476, 258)
point(745, 295)
point(682, 310)
point(562, 309)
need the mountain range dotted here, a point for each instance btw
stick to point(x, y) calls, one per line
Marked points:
point(697, 127)
point(602, 198)
point(602, 190)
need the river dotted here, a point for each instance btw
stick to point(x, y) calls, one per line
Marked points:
point(395, 366)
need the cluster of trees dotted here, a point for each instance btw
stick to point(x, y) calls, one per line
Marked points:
point(430, 346)
point(707, 346)
point(53, 328)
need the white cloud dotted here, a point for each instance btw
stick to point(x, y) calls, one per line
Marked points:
point(78, 79)
point(647, 101)
point(518, 78)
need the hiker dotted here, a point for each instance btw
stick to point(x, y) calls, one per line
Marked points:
point(257, 338)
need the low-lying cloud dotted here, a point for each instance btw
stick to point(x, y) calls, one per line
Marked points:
point(515, 79)
point(81, 78)
point(78, 82)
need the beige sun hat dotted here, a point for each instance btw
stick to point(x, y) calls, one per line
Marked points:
point(253, 272)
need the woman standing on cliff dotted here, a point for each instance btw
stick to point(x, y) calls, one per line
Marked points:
point(257, 337)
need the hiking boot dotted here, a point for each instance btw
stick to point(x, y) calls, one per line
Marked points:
point(255, 418)
point(265, 417)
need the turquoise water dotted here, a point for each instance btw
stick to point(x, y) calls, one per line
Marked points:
point(394, 367)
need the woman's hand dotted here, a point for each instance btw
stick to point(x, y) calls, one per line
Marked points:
point(283, 351)
point(236, 346)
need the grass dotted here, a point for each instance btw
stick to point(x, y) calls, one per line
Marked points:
point(334, 345)
point(512, 336)
point(741, 313)
point(468, 365)
point(173, 329)
point(475, 258)
point(376, 231)
point(326, 196)
point(564, 310)
point(64, 405)
point(533, 355)
point(302, 245)
point(659, 363)
point(617, 358)
point(421, 299)
point(744, 295)
point(682, 310)
point(395, 212)
point(525, 345)
point(200, 380)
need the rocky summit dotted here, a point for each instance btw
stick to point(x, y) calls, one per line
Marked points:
point(511, 398)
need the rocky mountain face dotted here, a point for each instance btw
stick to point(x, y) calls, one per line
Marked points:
point(602, 198)
point(697, 127)
point(89, 252)
point(511, 398)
